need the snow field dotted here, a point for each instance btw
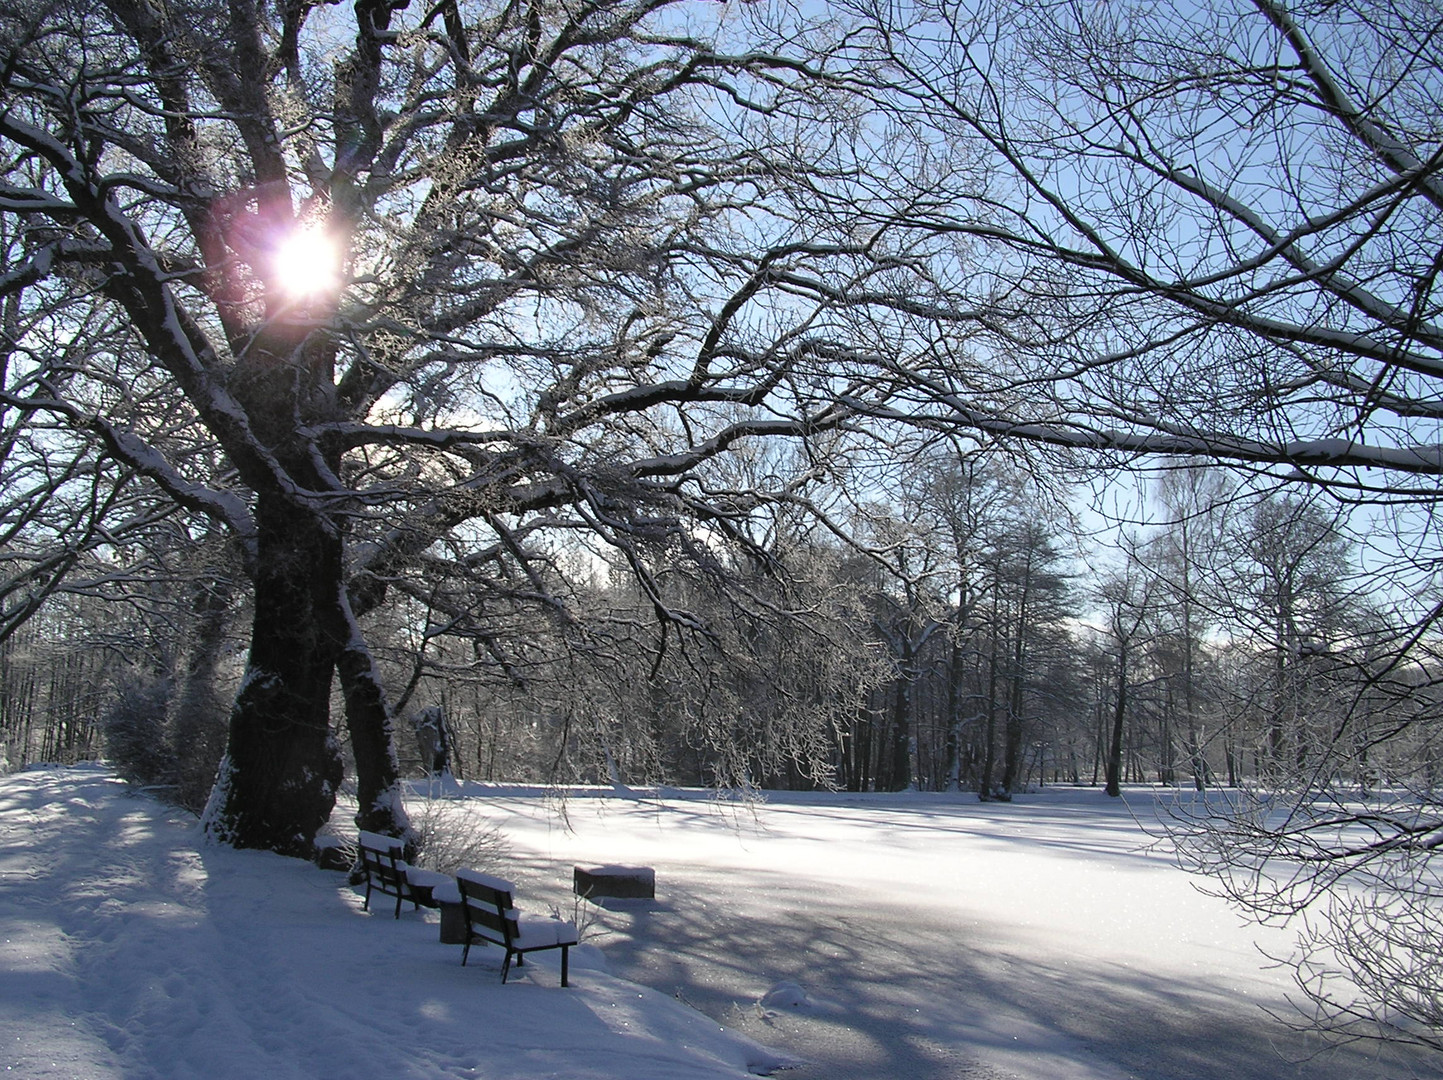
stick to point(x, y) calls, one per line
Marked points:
point(931, 936)
point(896, 937)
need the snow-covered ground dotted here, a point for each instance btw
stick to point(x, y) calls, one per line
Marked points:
point(127, 951)
point(911, 936)
point(931, 937)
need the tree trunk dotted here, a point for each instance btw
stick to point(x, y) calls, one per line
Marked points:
point(198, 711)
point(1012, 749)
point(277, 783)
point(1011, 753)
point(371, 725)
point(899, 773)
point(953, 774)
point(1167, 765)
point(989, 758)
point(867, 743)
point(1119, 716)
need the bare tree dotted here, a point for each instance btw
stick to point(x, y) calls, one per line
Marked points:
point(416, 302)
point(1128, 597)
point(397, 294)
point(1211, 231)
point(1288, 579)
point(1184, 556)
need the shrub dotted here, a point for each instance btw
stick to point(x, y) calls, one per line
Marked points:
point(450, 836)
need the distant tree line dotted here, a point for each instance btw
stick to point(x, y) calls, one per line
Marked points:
point(970, 639)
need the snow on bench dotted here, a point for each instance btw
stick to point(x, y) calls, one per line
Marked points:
point(384, 864)
point(490, 917)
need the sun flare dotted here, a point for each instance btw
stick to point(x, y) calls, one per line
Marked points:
point(307, 264)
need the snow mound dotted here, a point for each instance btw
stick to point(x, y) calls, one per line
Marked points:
point(794, 996)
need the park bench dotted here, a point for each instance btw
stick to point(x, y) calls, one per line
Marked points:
point(491, 917)
point(384, 864)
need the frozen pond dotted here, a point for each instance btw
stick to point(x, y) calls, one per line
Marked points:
point(932, 936)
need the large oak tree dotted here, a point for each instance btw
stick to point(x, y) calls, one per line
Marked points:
point(390, 291)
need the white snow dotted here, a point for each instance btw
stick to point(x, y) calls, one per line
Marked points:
point(932, 936)
point(790, 995)
point(378, 842)
point(490, 881)
point(129, 949)
point(922, 936)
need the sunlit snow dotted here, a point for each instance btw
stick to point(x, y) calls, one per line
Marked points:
point(915, 936)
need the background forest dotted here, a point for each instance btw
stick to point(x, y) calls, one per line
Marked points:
point(973, 637)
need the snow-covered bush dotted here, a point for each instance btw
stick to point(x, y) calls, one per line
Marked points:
point(450, 836)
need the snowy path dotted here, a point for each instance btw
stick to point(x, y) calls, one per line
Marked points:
point(940, 939)
point(127, 953)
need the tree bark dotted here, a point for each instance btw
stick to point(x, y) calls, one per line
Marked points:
point(277, 783)
point(989, 757)
point(1012, 737)
point(1119, 716)
point(899, 770)
point(953, 776)
point(371, 724)
point(198, 711)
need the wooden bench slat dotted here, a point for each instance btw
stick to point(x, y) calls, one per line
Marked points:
point(491, 917)
point(384, 864)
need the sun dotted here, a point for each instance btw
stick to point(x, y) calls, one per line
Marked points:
point(307, 264)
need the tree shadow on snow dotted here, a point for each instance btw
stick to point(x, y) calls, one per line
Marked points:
point(888, 993)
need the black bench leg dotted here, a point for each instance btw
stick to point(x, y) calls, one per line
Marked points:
point(506, 966)
point(564, 950)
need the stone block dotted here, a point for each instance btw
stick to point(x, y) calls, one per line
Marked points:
point(453, 923)
point(624, 882)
